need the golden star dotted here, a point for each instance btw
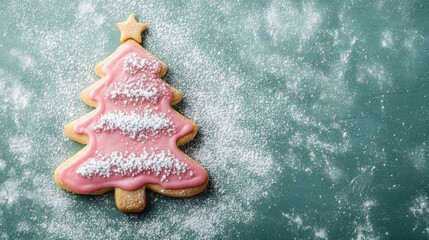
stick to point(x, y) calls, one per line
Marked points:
point(131, 29)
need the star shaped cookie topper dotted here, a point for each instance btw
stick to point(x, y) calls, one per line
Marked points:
point(131, 29)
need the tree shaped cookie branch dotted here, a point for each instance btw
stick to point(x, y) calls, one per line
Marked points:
point(132, 134)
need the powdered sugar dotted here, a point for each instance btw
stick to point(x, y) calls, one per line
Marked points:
point(135, 125)
point(271, 85)
point(130, 164)
point(133, 90)
point(213, 98)
point(134, 64)
point(133, 94)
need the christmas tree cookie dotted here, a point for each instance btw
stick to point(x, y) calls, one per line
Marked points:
point(132, 134)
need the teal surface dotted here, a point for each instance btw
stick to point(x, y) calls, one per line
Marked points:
point(314, 117)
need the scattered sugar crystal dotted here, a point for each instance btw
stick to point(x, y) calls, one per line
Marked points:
point(135, 125)
point(2, 164)
point(85, 8)
point(137, 89)
point(134, 64)
point(124, 164)
point(24, 59)
point(284, 72)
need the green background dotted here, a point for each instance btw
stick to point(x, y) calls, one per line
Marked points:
point(314, 117)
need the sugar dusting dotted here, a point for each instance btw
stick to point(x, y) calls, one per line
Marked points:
point(132, 91)
point(299, 223)
point(22, 147)
point(131, 164)
point(420, 210)
point(24, 60)
point(135, 125)
point(134, 64)
point(365, 229)
point(232, 154)
point(245, 123)
point(419, 156)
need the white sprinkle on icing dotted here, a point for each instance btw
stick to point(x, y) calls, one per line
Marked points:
point(135, 125)
point(136, 90)
point(118, 163)
point(132, 93)
point(134, 64)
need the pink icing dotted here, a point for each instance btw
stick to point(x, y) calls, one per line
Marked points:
point(132, 90)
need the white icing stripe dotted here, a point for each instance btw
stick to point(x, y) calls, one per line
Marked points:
point(135, 125)
point(123, 164)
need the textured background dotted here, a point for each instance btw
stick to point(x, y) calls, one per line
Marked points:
point(314, 117)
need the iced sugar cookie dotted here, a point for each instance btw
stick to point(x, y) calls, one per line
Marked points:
point(132, 134)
